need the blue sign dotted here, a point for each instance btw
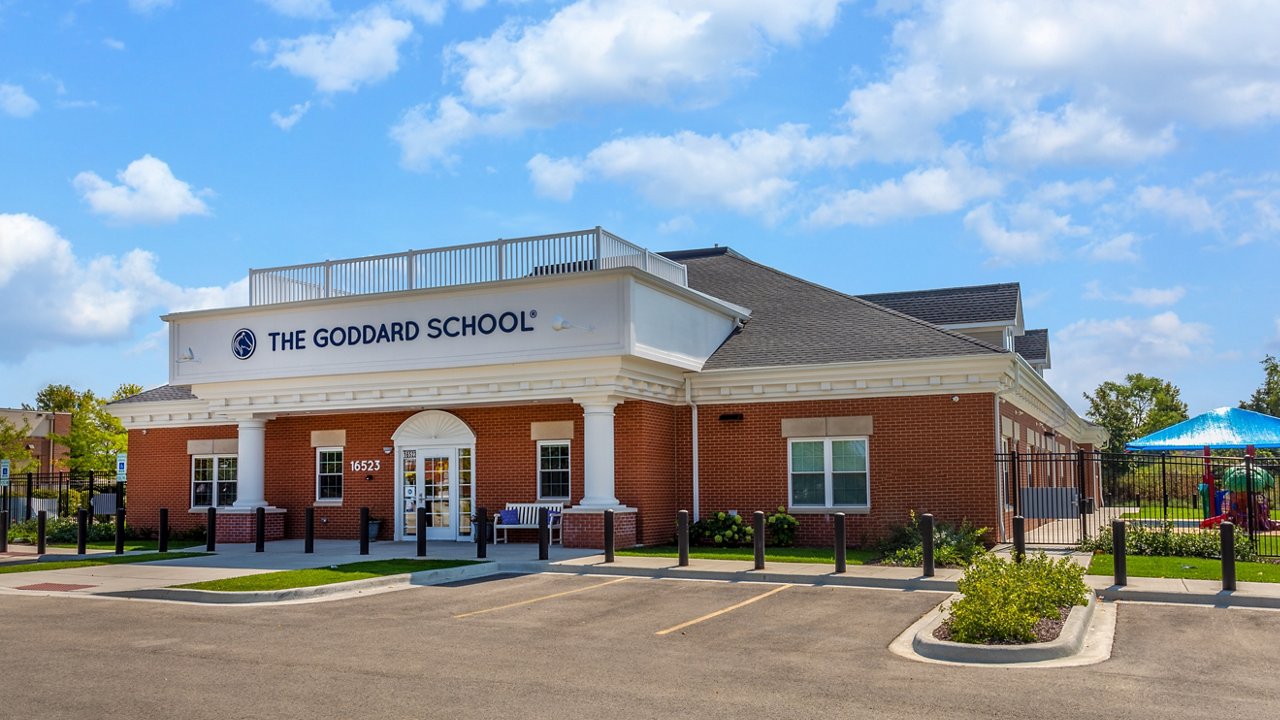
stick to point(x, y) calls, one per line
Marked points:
point(243, 343)
point(122, 466)
point(4, 473)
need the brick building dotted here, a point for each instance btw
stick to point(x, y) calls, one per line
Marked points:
point(584, 370)
point(50, 456)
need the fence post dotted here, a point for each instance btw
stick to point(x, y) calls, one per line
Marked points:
point(259, 529)
point(482, 526)
point(211, 530)
point(364, 531)
point(30, 489)
point(608, 536)
point(119, 531)
point(420, 530)
point(757, 525)
point(544, 533)
point(1164, 489)
point(1084, 499)
point(1228, 556)
point(1017, 482)
point(1118, 550)
point(90, 501)
point(4, 528)
point(841, 550)
point(682, 537)
point(1019, 538)
point(163, 545)
point(926, 536)
point(309, 531)
point(41, 521)
point(82, 531)
point(1248, 494)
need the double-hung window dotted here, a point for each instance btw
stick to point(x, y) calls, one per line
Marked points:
point(553, 470)
point(213, 480)
point(329, 474)
point(829, 473)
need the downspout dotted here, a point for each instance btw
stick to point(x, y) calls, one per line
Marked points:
point(693, 407)
point(1000, 485)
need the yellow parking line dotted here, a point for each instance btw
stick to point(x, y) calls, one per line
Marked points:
point(718, 613)
point(540, 599)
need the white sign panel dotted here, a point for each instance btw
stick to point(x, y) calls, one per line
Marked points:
point(541, 321)
point(4, 473)
point(122, 466)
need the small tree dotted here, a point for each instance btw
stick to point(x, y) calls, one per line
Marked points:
point(13, 447)
point(95, 435)
point(1137, 407)
point(1266, 399)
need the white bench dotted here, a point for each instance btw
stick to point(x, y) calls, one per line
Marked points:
point(529, 520)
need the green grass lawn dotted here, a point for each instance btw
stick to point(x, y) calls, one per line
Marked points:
point(104, 560)
point(1156, 512)
point(1189, 568)
point(773, 554)
point(129, 545)
point(311, 577)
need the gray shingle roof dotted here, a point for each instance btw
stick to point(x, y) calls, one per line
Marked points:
point(955, 306)
point(164, 393)
point(796, 322)
point(1034, 345)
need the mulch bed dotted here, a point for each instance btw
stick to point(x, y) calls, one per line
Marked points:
point(1047, 629)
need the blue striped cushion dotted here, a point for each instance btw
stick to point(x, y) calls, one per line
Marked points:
point(509, 517)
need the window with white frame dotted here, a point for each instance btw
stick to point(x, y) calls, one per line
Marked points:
point(329, 474)
point(553, 470)
point(829, 472)
point(213, 480)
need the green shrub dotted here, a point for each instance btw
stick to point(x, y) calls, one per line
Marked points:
point(953, 545)
point(62, 530)
point(722, 530)
point(1141, 539)
point(782, 527)
point(1004, 600)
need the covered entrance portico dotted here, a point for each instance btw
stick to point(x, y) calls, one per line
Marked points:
point(434, 466)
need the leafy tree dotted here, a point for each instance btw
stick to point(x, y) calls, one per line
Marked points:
point(1266, 399)
point(95, 435)
point(13, 447)
point(1137, 407)
point(125, 390)
point(57, 398)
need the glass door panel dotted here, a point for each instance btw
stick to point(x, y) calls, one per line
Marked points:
point(438, 497)
point(409, 492)
point(464, 492)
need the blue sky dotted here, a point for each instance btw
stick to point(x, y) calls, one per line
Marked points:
point(1119, 160)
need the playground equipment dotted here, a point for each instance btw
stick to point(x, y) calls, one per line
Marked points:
point(1241, 486)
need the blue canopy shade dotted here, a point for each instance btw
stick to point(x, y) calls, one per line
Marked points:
point(1223, 429)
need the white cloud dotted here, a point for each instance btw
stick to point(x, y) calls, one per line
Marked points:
point(426, 138)
point(1121, 248)
point(1075, 135)
point(1031, 235)
point(363, 50)
point(1177, 204)
point(99, 300)
point(592, 52)
point(148, 193)
point(147, 6)
point(1090, 351)
point(676, 225)
point(924, 191)
point(555, 179)
point(287, 121)
point(305, 9)
point(15, 101)
point(1149, 297)
point(430, 12)
point(113, 43)
point(1063, 193)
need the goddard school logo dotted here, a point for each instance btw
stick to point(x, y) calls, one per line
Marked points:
point(243, 343)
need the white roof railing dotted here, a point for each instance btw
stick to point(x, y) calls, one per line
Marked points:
point(584, 251)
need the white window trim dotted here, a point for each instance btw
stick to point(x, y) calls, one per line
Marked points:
point(538, 458)
point(343, 464)
point(826, 475)
point(191, 492)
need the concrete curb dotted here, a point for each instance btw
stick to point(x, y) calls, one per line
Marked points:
point(213, 597)
point(1220, 599)
point(1068, 643)
point(922, 584)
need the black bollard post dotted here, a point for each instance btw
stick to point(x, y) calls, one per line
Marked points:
point(42, 519)
point(926, 537)
point(364, 531)
point(82, 531)
point(260, 530)
point(211, 529)
point(841, 542)
point(1118, 552)
point(544, 533)
point(682, 536)
point(309, 531)
point(4, 526)
point(608, 536)
point(119, 531)
point(482, 527)
point(420, 531)
point(757, 525)
point(163, 544)
point(1019, 538)
point(1228, 556)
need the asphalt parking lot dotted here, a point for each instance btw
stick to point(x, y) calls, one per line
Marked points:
point(563, 646)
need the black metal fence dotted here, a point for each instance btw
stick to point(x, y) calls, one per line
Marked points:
point(61, 494)
point(1070, 497)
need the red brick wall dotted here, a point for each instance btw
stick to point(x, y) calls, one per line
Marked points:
point(645, 467)
point(586, 530)
point(927, 454)
point(160, 475)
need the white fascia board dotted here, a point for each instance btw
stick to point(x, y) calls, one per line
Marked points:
point(165, 413)
point(1034, 395)
point(980, 325)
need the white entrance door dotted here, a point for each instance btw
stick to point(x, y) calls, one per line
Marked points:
point(438, 479)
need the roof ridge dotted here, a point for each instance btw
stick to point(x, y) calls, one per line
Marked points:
point(874, 306)
point(984, 286)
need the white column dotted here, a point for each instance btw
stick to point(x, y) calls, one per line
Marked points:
point(597, 451)
point(251, 464)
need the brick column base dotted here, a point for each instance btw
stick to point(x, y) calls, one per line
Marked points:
point(239, 527)
point(584, 528)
